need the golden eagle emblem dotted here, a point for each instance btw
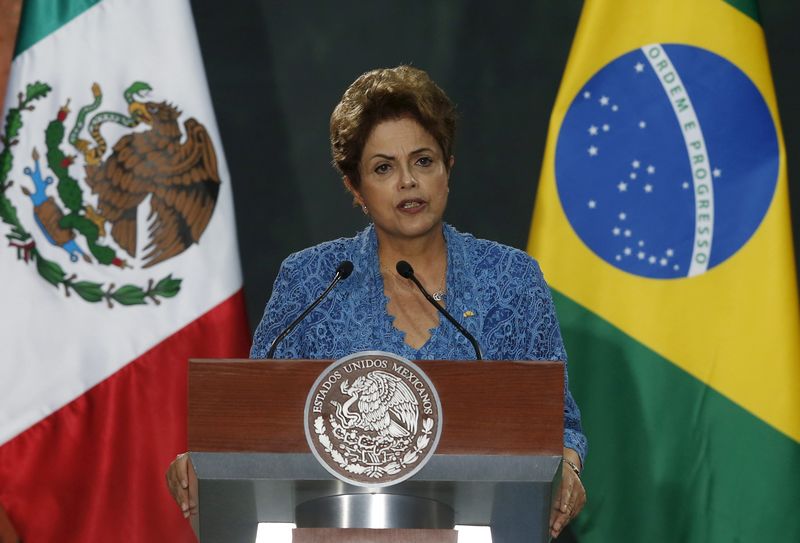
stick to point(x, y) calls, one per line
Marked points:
point(179, 175)
point(170, 169)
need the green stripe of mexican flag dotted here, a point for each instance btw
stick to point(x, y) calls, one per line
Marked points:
point(43, 17)
point(662, 225)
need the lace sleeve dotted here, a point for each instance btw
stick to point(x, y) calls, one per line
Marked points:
point(288, 299)
point(542, 334)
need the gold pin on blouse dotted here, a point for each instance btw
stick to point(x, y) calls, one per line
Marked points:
point(469, 313)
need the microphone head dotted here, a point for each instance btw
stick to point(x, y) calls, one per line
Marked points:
point(345, 269)
point(405, 269)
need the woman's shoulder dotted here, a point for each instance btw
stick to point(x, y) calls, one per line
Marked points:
point(489, 257)
point(326, 256)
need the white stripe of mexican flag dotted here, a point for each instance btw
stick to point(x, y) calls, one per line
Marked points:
point(89, 330)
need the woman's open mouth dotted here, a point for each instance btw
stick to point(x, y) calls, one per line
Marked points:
point(413, 205)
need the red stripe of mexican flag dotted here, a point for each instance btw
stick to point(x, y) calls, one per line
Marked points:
point(662, 224)
point(121, 264)
point(94, 469)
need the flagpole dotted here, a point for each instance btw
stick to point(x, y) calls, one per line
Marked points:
point(9, 23)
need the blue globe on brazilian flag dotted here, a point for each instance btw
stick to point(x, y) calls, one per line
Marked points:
point(624, 180)
point(662, 223)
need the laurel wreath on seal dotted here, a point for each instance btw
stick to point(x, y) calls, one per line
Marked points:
point(19, 238)
point(410, 457)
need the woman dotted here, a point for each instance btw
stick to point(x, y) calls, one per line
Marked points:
point(392, 141)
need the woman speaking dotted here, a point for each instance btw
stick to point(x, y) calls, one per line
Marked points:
point(392, 139)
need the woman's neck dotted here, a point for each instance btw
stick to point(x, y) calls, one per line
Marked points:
point(411, 313)
point(426, 254)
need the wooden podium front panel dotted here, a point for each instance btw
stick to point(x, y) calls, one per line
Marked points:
point(249, 405)
point(365, 535)
point(511, 408)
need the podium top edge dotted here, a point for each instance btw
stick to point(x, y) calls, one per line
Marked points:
point(330, 361)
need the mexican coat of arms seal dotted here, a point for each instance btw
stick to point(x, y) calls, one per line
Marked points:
point(373, 419)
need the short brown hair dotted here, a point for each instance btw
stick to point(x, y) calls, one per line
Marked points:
point(388, 93)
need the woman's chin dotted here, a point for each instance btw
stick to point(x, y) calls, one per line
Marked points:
point(416, 230)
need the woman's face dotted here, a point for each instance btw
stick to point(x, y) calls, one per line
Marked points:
point(404, 180)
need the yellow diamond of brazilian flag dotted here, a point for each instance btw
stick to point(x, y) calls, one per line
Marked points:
point(662, 223)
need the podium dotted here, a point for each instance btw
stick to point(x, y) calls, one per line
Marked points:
point(497, 462)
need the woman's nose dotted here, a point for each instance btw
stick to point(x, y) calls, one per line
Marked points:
point(407, 179)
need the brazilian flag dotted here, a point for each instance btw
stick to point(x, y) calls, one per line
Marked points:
point(662, 223)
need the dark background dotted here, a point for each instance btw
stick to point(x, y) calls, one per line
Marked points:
point(277, 69)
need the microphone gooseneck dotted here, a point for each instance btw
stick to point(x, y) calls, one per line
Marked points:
point(405, 270)
point(343, 271)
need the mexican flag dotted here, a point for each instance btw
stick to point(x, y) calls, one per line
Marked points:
point(662, 223)
point(119, 262)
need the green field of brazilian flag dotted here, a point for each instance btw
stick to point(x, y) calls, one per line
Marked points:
point(662, 224)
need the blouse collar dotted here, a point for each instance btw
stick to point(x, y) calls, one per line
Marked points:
point(367, 264)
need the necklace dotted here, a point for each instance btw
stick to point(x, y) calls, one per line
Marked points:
point(438, 295)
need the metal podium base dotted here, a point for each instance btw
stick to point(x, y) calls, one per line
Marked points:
point(239, 490)
point(374, 511)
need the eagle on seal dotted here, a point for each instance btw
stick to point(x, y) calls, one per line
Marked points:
point(181, 179)
point(385, 405)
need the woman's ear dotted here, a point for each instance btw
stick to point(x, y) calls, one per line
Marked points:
point(358, 201)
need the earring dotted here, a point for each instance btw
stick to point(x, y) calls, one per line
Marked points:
point(364, 209)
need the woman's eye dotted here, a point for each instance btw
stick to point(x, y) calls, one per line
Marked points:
point(382, 168)
point(425, 161)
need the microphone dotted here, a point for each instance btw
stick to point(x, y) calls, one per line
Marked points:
point(343, 271)
point(405, 270)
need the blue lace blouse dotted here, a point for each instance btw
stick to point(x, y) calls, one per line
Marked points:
point(495, 291)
